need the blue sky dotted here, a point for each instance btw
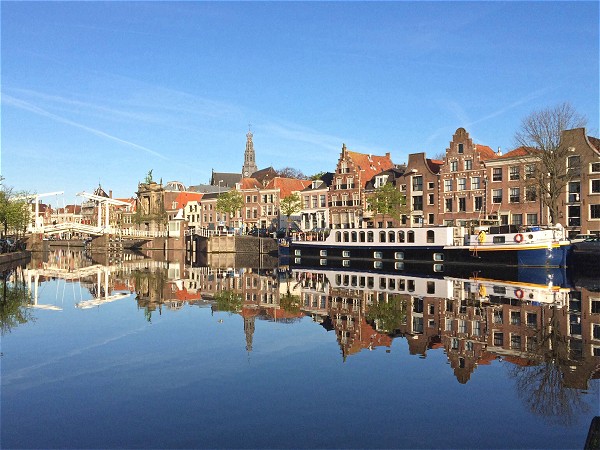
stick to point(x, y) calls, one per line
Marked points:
point(102, 92)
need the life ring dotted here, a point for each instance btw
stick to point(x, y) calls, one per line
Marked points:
point(519, 238)
point(519, 293)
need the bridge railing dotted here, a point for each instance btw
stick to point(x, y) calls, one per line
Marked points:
point(94, 230)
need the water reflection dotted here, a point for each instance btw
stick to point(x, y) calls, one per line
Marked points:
point(544, 327)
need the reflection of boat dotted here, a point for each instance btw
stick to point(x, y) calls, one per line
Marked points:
point(501, 245)
point(539, 289)
point(86, 304)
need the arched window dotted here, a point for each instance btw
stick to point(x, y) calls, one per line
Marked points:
point(391, 236)
point(382, 236)
point(411, 236)
point(346, 236)
point(354, 236)
point(430, 236)
point(361, 236)
point(338, 236)
point(400, 236)
point(369, 236)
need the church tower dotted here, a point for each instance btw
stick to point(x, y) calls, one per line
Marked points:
point(249, 157)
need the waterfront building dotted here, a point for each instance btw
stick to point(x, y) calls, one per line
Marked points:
point(347, 191)
point(394, 177)
point(315, 211)
point(421, 186)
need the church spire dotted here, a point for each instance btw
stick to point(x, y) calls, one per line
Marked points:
point(249, 166)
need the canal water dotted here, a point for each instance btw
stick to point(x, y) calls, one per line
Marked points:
point(150, 352)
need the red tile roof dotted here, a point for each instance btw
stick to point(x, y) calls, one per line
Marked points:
point(517, 153)
point(184, 295)
point(250, 183)
point(287, 185)
point(485, 152)
point(183, 198)
point(370, 165)
point(435, 165)
point(595, 142)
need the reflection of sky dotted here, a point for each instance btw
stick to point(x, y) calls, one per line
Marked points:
point(105, 377)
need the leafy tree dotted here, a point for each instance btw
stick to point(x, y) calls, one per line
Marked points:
point(290, 205)
point(228, 301)
point(388, 201)
point(540, 136)
point(230, 202)
point(14, 211)
point(317, 176)
point(13, 302)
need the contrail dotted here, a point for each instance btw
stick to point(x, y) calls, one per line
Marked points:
point(12, 101)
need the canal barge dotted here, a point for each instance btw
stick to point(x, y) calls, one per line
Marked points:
point(531, 246)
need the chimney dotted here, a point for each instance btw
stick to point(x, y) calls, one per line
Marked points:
point(110, 193)
point(499, 152)
point(343, 149)
point(387, 155)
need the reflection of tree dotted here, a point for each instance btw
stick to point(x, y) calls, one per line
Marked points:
point(149, 288)
point(13, 304)
point(388, 315)
point(542, 387)
point(290, 303)
point(228, 301)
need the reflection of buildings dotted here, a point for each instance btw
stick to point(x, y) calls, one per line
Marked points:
point(474, 320)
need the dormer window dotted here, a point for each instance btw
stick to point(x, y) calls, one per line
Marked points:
point(380, 181)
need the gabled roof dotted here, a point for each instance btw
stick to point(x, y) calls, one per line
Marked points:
point(485, 152)
point(249, 183)
point(518, 152)
point(318, 184)
point(227, 179)
point(263, 175)
point(183, 198)
point(370, 165)
point(205, 188)
point(287, 185)
point(391, 176)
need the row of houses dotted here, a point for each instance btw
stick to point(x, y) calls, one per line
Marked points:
point(472, 181)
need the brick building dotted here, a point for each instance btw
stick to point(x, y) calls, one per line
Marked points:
point(421, 185)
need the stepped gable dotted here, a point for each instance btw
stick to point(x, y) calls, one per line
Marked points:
point(287, 185)
point(370, 165)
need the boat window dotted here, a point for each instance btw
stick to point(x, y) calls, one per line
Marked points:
point(401, 283)
point(298, 252)
point(370, 282)
point(369, 236)
point(430, 237)
point(323, 262)
point(354, 279)
point(377, 255)
point(382, 283)
point(361, 236)
point(377, 264)
point(382, 236)
point(438, 256)
point(438, 267)
point(400, 236)
point(346, 236)
point(354, 236)
point(399, 266)
point(399, 255)
point(411, 285)
point(411, 236)
point(499, 239)
point(346, 254)
point(338, 236)
point(392, 283)
point(298, 261)
point(346, 280)
point(323, 253)
point(391, 236)
point(361, 282)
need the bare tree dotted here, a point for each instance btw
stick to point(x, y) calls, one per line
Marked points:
point(540, 137)
point(290, 172)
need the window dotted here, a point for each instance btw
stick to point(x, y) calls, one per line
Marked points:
point(461, 148)
point(497, 174)
point(399, 255)
point(574, 165)
point(574, 216)
point(400, 236)
point(531, 193)
point(468, 164)
point(430, 199)
point(462, 184)
point(515, 194)
point(478, 206)
point(430, 236)
point(497, 196)
point(595, 187)
point(453, 166)
point(431, 218)
point(417, 183)
point(448, 205)
point(532, 219)
point(462, 204)
point(410, 236)
point(594, 211)
point(382, 235)
point(517, 219)
point(370, 236)
point(513, 173)
point(314, 201)
point(417, 202)
point(475, 183)
point(350, 182)
point(595, 167)
point(431, 185)
point(323, 253)
point(323, 200)
point(529, 171)
point(307, 201)
point(377, 255)
point(338, 183)
point(447, 185)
